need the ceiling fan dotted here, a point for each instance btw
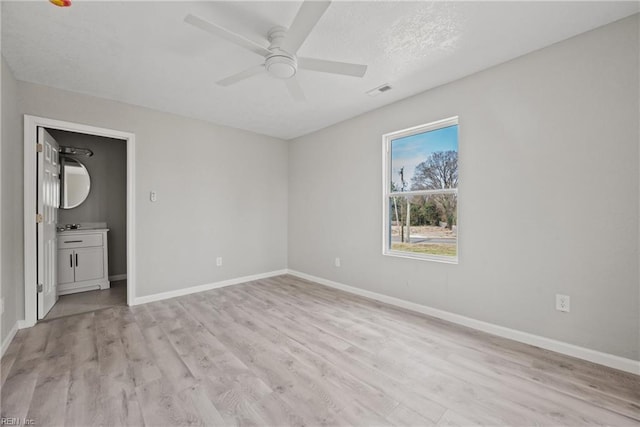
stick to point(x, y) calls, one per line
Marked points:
point(280, 56)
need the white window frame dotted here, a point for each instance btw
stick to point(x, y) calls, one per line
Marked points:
point(387, 193)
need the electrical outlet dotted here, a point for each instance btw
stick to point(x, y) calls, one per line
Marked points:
point(563, 303)
point(337, 262)
point(219, 261)
point(153, 196)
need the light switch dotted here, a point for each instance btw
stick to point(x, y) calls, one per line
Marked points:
point(153, 196)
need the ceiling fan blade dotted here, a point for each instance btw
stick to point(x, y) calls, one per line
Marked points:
point(295, 90)
point(241, 75)
point(308, 16)
point(333, 67)
point(222, 32)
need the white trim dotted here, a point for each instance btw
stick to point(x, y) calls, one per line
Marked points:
point(22, 324)
point(131, 219)
point(422, 192)
point(9, 338)
point(117, 277)
point(606, 359)
point(206, 287)
point(438, 124)
point(31, 124)
point(410, 255)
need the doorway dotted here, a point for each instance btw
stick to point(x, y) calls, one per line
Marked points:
point(91, 267)
point(80, 267)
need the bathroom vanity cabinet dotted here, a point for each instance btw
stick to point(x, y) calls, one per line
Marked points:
point(83, 263)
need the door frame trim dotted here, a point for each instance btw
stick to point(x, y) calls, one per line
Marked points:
point(31, 124)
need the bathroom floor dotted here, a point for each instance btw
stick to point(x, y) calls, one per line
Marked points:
point(84, 302)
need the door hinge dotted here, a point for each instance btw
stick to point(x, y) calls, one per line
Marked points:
point(39, 148)
point(40, 287)
point(39, 219)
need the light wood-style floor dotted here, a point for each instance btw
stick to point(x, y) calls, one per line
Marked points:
point(85, 302)
point(283, 351)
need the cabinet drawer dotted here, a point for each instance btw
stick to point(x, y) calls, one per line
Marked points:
point(79, 241)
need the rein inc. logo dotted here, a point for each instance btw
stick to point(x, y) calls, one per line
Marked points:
point(14, 421)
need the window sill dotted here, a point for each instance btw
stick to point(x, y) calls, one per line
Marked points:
point(421, 257)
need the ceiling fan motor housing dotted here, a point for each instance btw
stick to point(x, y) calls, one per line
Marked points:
point(281, 66)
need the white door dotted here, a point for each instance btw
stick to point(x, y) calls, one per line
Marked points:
point(48, 203)
point(89, 263)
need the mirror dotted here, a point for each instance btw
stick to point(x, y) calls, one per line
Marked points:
point(75, 184)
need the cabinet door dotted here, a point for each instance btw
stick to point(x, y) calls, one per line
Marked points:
point(66, 263)
point(89, 263)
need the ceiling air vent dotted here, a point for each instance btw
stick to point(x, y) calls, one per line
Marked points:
point(376, 91)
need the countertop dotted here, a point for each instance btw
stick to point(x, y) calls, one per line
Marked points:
point(82, 230)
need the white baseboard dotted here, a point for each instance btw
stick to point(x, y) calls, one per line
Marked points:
point(23, 324)
point(606, 359)
point(7, 341)
point(206, 287)
point(117, 277)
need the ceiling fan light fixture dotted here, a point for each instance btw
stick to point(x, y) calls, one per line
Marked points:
point(281, 66)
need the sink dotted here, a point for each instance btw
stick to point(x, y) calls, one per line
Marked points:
point(86, 226)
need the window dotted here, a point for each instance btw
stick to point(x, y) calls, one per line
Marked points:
point(420, 205)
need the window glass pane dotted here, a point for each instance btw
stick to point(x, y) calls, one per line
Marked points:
point(431, 227)
point(425, 161)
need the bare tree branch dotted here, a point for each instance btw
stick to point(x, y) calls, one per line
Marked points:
point(439, 171)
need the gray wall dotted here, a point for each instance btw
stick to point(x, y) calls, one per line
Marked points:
point(548, 195)
point(107, 200)
point(221, 191)
point(12, 190)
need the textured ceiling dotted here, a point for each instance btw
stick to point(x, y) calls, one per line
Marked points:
point(143, 53)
